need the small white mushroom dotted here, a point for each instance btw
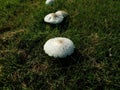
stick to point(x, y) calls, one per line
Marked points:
point(52, 18)
point(49, 2)
point(62, 13)
point(59, 47)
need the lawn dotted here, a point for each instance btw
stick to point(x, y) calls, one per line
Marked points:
point(93, 26)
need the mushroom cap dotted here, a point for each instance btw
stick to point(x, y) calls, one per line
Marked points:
point(52, 18)
point(62, 13)
point(49, 2)
point(59, 47)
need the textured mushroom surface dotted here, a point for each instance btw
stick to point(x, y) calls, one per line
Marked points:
point(52, 18)
point(62, 13)
point(59, 47)
point(49, 2)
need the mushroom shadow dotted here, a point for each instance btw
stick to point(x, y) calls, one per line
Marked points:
point(63, 26)
point(75, 58)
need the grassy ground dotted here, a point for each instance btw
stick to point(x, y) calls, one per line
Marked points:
point(93, 26)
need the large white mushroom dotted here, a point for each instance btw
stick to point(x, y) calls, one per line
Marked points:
point(62, 13)
point(49, 2)
point(59, 47)
point(52, 18)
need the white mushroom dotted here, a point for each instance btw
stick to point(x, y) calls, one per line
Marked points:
point(52, 18)
point(49, 2)
point(59, 47)
point(62, 13)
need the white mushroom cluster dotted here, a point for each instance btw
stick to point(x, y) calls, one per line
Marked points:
point(49, 2)
point(55, 18)
point(59, 47)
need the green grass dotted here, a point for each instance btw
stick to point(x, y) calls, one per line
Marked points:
point(93, 26)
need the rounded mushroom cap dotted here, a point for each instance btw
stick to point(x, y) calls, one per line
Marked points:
point(53, 18)
point(49, 2)
point(62, 13)
point(59, 47)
